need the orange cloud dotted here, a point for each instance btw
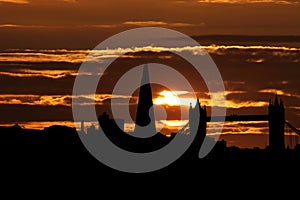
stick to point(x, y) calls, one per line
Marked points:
point(219, 100)
point(78, 56)
point(253, 47)
point(279, 92)
point(9, 26)
point(174, 123)
point(44, 56)
point(161, 23)
point(29, 99)
point(54, 74)
point(44, 1)
point(104, 26)
point(180, 24)
point(245, 104)
point(145, 23)
point(15, 1)
point(241, 127)
point(22, 26)
point(258, 60)
point(57, 100)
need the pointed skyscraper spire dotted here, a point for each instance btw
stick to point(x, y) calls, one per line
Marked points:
point(145, 115)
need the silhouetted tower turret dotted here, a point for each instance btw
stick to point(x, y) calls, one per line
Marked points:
point(198, 124)
point(144, 114)
point(276, 125)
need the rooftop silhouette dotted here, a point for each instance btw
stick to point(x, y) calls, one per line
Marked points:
point(59, 148)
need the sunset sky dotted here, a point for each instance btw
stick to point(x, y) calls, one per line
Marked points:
point(254, 43)
point(44, 24)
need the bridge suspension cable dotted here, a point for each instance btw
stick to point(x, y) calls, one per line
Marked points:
point(293, 139)
point(295, 130)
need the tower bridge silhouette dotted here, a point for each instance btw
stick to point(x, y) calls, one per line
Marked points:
point(279, 128)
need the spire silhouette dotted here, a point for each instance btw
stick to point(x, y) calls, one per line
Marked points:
point(145, 115)
point(276, 102)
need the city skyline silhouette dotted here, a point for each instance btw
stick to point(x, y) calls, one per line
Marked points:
point(255, 45)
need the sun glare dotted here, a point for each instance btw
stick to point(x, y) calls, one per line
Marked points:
point(174, 123)
point(171, 98)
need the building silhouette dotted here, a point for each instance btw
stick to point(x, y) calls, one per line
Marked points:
point(198, 126)
point(91, 129)
point(276, 125)
point(145, 115)
point(110, 125)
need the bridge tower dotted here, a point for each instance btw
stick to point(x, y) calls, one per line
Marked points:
point(276, 125)
point(198, 123)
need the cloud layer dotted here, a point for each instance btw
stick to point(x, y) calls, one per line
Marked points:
point(43, 79)
point(256, 53)
point(15, 1)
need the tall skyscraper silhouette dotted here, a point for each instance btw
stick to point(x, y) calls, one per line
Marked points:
point(276, 125)
point(144, 114)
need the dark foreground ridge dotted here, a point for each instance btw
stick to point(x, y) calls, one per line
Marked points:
point(59, 150)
